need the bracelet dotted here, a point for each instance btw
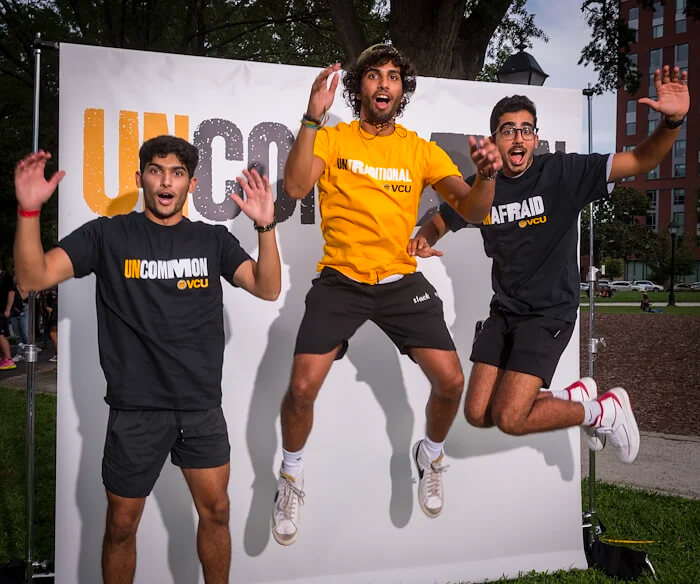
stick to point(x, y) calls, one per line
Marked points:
point(308, 122)
point(487, 176)
point(671, 125)
point(264, 228)
point(25, 213)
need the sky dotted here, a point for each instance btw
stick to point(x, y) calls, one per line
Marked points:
point(563, 22)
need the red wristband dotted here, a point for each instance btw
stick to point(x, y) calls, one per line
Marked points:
point(25, 213)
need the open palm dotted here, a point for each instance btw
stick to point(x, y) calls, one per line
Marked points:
point(673, 99)
point(31, 187)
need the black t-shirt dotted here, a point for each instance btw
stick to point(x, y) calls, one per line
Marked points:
point(531, 233)
point(159, 307)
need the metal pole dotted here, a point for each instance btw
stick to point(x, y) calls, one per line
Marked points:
point(590, 514)
point(31, 354)
point(672, 293)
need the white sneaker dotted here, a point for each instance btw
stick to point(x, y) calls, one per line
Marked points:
point(18, 357)
point(430, 492)
point(586, 389)
point(286, 511)
point(617, 421)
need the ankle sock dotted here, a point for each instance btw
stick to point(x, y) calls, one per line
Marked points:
point(292, 462)
point(432, 449)
point(591, 411)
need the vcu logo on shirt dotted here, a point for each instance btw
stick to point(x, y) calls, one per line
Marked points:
point(189, 272)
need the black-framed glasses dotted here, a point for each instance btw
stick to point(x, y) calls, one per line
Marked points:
point(508, 133)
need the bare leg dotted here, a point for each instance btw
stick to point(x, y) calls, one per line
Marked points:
point(444, 371)
point(517, 407)
point(208, 487)
point(483, 381)
point(119, 544)
point(297, 412)
point(4, 348)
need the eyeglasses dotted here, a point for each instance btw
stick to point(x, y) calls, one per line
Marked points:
point(508, 133)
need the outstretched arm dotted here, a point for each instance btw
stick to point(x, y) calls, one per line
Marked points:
point(673, 102)
point(264, 277)
point(474, 203)
point(303, 168)
point(34, 269)
point(428, 235)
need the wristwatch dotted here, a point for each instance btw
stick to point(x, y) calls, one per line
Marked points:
point(671, 125)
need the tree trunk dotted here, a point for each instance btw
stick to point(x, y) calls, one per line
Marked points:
point(348, 28)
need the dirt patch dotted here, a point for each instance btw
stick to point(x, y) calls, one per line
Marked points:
point(655, 358)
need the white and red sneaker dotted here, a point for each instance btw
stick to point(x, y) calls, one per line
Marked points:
point(618, 423)
point(586, 389)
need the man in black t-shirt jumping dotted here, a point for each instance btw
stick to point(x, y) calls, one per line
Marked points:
point(160, 335)
point(531, 235)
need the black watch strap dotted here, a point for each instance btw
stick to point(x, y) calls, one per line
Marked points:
point(671, 125)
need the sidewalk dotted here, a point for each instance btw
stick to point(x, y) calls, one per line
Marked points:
point(667, 463)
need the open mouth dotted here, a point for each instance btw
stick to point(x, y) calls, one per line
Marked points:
point(165, 198)
point(517, 155)
point(382, 100)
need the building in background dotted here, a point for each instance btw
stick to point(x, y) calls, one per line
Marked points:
point(664, 36)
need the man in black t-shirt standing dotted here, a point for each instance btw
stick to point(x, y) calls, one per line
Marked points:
point(160, 335)
point(531, 235)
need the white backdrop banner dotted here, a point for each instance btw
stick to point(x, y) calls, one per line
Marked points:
point(511, 504)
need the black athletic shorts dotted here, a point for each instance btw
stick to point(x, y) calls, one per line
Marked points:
point(408, 310)
point(529, 344)
point(4, 326)
point(138, 442)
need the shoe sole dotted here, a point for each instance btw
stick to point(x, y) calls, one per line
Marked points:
point(630, 426)
point(429, 512)
point(279, 538)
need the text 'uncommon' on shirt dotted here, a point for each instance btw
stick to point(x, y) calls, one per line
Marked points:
point(145, 269)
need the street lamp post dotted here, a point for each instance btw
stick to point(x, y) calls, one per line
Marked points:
point(521, 69)
point(673, 229)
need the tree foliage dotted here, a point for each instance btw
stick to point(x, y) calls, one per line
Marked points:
point(616, 232)
point(660, 261)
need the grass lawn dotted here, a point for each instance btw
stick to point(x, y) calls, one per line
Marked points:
point(673, 523)
point(12, 425)
point(612, 309)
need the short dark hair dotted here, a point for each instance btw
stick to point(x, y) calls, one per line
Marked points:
point(375, 56)
point(512, 104)
point(161, 146)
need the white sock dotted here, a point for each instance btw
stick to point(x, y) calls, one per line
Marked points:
point(591, 411)
point(292, 462)
point(432, 449)
point(560, 394)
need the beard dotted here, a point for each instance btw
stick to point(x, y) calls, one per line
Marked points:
point(375, 116)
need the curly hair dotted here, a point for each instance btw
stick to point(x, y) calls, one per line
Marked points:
point(507, 105)
point(161, 146)
point(372, 57)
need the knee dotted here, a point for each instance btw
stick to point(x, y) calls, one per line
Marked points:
point(509, 421)
point(302, 392)
point(477, 417)
point(121, 526)
point(450, 387)
point(216, 511)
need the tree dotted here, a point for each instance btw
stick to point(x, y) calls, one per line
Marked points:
point(609, 50)
point(616, 231)
point(660, 260)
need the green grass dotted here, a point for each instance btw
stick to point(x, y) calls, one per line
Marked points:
point(672, 522)
point(634, 296)
point(612, 309)
point(12, 463)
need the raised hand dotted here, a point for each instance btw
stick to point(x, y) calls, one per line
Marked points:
point(485, 155)
point(259, 204)
point(322, 95)
point(672, 97)
point(419, 246)
point(31, 187)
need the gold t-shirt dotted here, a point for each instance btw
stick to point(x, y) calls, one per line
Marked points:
point(369, 194)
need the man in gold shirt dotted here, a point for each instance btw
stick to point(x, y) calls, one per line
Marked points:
point(370, 176)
